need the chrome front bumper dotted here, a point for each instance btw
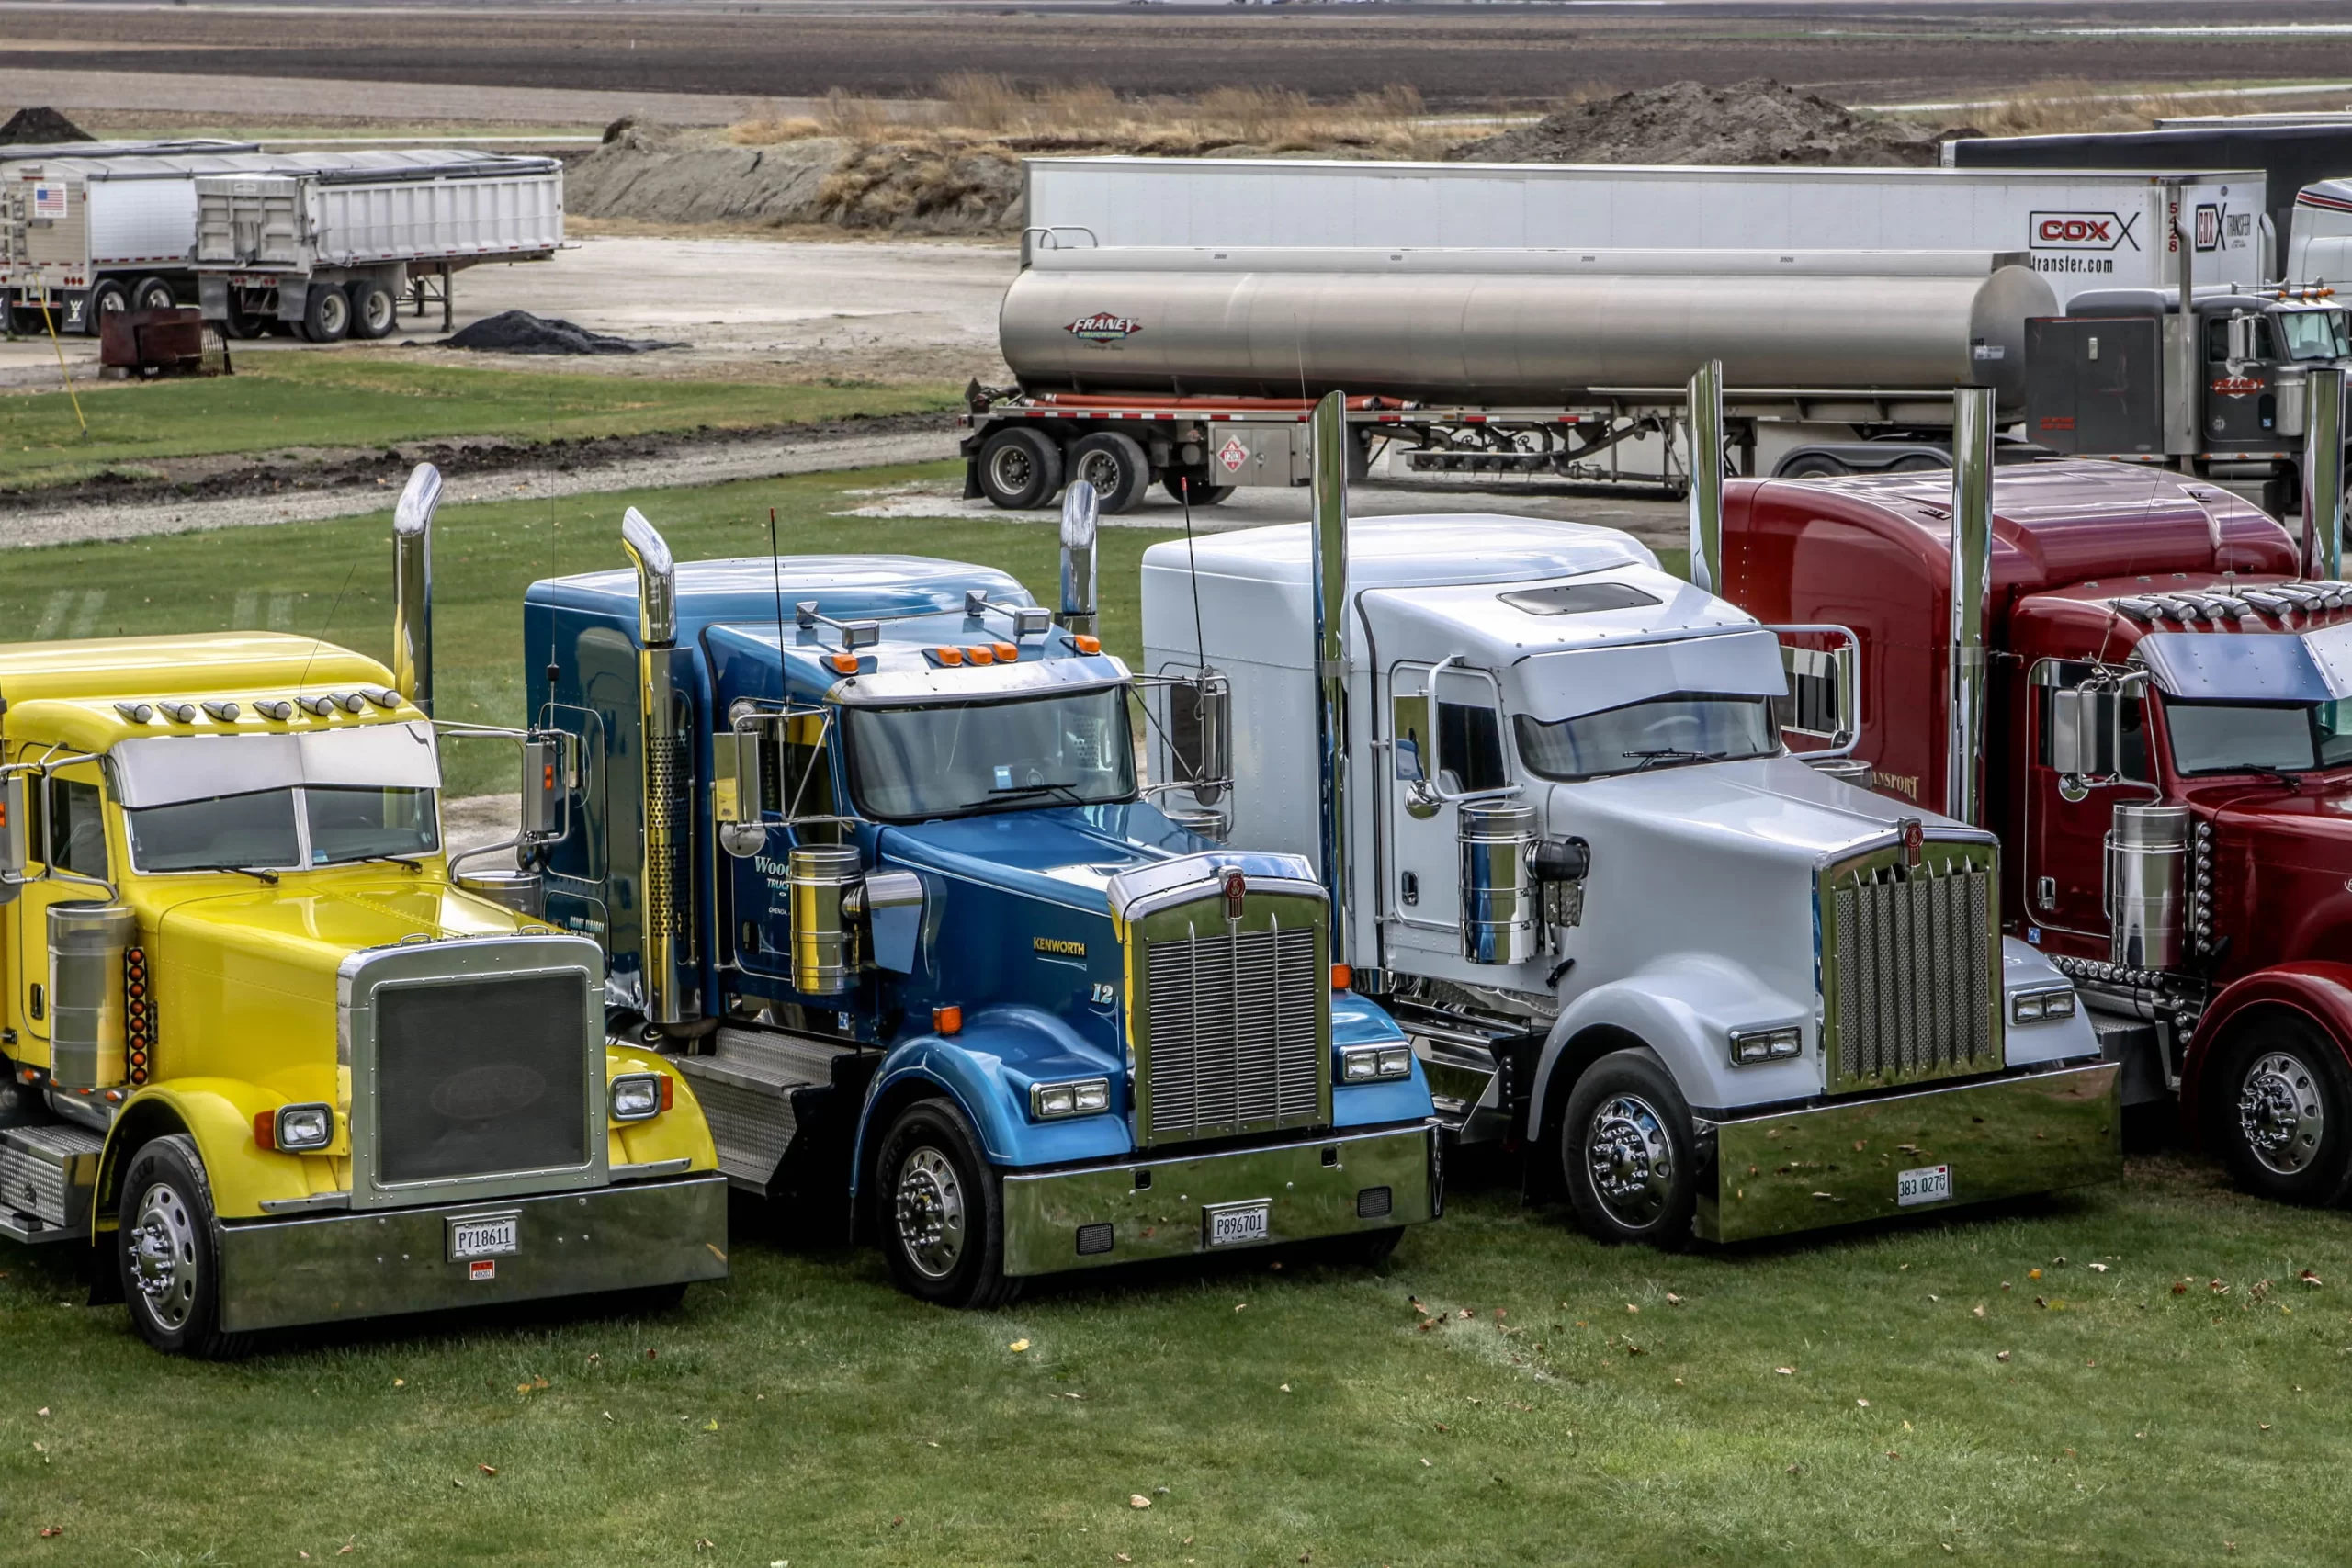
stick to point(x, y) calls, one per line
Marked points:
point(1837, 1163)
point(277, 1273)
point(1158, 1208)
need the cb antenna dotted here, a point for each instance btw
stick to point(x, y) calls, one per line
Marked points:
point(775, 574)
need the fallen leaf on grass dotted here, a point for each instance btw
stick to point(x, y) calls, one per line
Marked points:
point(1976, 1311)
point(400, 1383)
point(1863, 1402)
point(2033, 1273)
point(1425, 1464)
point(1017, 1345)
point(1121, 1557)
point(487, 1469)
point(48, 1532)
point(2265, 1425)
point(2098, 1267)
point(1285, 1388)
point(2001, 1356)
point(347, 1547)
point(1786, 1371)
point(43, 1410)
point(1137, 1500)
point(1892, 1454)
point(704, 1544)
point(2181, 1287)
point(2308, 1278)
point(710, 1425)
point(1672, 1300)
point(2218, 1287)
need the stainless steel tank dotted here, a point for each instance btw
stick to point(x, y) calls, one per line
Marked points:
point(821, 876)
point(1288, 323)
point(87, 1037)
point(1499, 907)
point(2147, 874)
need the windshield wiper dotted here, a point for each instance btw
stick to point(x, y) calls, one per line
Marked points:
point(269, 876)
point(417, 865)
point(1010, 792)
point(1673, 753)
point(2292, 781)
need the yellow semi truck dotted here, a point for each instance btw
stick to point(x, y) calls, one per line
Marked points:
point(262, 1050)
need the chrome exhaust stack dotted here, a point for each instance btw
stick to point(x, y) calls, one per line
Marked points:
point(1081, 516)
point(1328, 535)
point(413, 587)
point(663, 910)
point(1706, 429)
point(1971, 589)
point(2323, 551)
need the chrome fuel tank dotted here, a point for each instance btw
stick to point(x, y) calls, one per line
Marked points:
point(1464, 326)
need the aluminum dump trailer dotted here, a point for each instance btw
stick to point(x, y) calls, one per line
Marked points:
point(330, 248)
point(1514, 326)
point(85, 233)
point(2083, 228)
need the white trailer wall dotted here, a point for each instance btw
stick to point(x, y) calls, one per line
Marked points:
point(2083, 229)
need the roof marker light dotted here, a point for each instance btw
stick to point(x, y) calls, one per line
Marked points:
point(137, 712)
point(1085, 644)
point(1008, 653)
point(274, 708)
point(950, 657)
point(979, 653)
point(317, 706)
point(223, 713)
point(178, 713)
point(842, 663)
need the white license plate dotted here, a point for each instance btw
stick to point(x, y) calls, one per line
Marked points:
point(1932, 1184)
point(489, 1236)
point(1239, 1224)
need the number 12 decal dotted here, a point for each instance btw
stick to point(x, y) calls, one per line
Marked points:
point(1106, 994)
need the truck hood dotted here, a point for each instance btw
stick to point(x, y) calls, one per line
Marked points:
point(1063, 855)
point(2284, 865)
point(1770, 807)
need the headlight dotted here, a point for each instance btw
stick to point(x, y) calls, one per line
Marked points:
point(2044, 1006)
point(1082, 1096)
point(305, 1126)
point(635, 1097)
point(1749, 1046)
point(1370, 1064)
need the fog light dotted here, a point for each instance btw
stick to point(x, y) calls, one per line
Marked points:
point(300, 1127)
point(1370, 1064)
point(1084, 1096)
point(637, 1096)
point(1750, 1046)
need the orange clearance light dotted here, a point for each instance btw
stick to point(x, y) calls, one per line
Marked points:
point(266, 1129)
point(1341, 976)
point(947, 1021)
point(1085, 644)
point(979, 655)
point(1008, 653)
point(842, 663)
point(948, 656)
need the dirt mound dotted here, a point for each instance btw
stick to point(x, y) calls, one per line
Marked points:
point(519, 331)
point(41, 127)
point(912, 188)
point(656, 175)
point(1689, 122)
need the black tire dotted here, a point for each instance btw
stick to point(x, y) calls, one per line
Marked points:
point(1020, 469)
point(938, 1210)
point(2281, 1105)
point(168, 1251)
point(326, 314)
point(1814, 466)
point(1369, 1249)
point(645, 1301)
point(240, 324)
point(152, 294)
point(1202, 492)
point(1626, 1152)
point(1916, 463)
point(374, 311)
point(107, 295)
point(1116, 467)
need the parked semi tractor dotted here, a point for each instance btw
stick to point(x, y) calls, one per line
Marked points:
point(2164, 693)
point(863, 842)
point(266, 1052)
point(322, 243)
point(1708, 987)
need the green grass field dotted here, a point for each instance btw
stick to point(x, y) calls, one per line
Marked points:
point(1911, 1395)
point(2168, 1392)
point(285, 400)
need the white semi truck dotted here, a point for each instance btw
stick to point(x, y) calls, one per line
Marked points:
point(1710, 989)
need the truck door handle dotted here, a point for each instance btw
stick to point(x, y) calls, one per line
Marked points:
point(38, 1002)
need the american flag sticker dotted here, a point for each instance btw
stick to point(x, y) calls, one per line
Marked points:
point(48, 201)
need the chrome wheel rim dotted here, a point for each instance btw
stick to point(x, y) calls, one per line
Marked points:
point(163, 1250)
point(2280, 1114)
point(1630, 1159)
point(930, 1213)
point(334, 313)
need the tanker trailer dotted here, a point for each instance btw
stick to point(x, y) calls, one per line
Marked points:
point(1196, 366)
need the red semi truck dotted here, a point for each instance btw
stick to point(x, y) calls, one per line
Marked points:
point(2166, 723)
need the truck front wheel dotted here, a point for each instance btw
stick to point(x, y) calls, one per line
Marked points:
point(169, 1252)
point(1626, 1150)
point(1020, 469)
point(2286, 1126)
point(938, 1211)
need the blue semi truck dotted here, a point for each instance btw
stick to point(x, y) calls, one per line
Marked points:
point(863, 839)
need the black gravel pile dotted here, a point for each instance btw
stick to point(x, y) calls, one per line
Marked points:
point(41, 127)
point(519, 331)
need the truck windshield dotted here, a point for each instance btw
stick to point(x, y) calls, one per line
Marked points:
point(2240, 737)
point(909, 764)
point(1661, 732)
point(285, 829)
point(2314, 335)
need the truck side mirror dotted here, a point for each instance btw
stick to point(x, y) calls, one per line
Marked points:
point(1200, 733)
point(2241, 337)
point(2086, 731)
point(1825, 694)
point(547, 784)
point(741, 784)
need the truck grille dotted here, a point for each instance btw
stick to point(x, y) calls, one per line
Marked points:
point(482, 1076)
point(1911, 962)
point(1234, 1041)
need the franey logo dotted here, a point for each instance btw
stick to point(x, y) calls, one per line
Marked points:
point(1105, 327)
point(2081, 232)
point(1058, 945)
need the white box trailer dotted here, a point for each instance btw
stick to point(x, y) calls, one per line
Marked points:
point(330, 249)
point(82, 233)
point(2083, 228)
